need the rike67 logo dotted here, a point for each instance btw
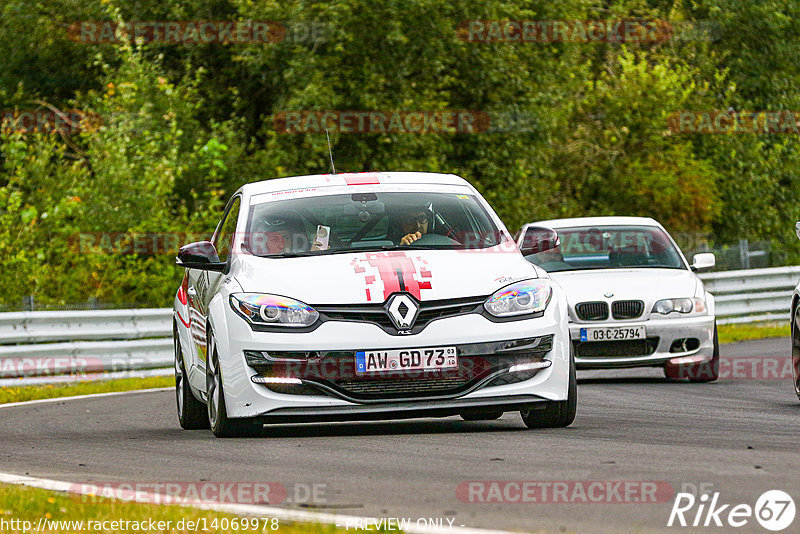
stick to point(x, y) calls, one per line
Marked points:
point(774, 510)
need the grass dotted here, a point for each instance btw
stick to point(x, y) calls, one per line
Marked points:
point(20, 503)
point(85, 387)
point(730, 333)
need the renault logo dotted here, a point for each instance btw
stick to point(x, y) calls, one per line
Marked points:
point(402, 311)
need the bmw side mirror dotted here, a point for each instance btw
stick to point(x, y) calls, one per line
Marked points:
point(539, 239)
point(706, 260)
point(201, 255)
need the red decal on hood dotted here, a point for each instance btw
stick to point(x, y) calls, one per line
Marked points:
point(393, 270)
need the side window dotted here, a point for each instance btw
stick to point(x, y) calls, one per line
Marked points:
point(223, 239)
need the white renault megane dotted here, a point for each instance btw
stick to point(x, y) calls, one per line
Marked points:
point(634, 301)
point(367, 296)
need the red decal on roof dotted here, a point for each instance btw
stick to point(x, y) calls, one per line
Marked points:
point(361, 179)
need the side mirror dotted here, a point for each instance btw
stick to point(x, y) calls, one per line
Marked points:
point(200, 255)
point(706, 260)
point(539, 239)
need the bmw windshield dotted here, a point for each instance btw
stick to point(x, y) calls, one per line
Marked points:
point(609, 247)
point(368, 221)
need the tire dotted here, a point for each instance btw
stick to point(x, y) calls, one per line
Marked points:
point(555, 414)
point(191, 412)
point(796, 350)
point(699, 372)
point(481, 416)
point(221, 425)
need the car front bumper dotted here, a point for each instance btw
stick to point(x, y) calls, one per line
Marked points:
point(244, 398)
point(660, 333)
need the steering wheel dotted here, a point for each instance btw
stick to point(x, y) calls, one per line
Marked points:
point(435, 239)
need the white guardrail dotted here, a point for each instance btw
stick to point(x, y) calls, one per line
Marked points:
point(79, 342)
point(71, 342)
point(752, 295)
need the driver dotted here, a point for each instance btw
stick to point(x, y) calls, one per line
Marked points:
point(414, 224)
point(279, 233)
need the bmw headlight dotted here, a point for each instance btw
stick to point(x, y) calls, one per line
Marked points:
point(520, 298)
point(686, 305)
point(273, 310)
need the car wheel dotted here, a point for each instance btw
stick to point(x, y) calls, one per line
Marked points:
point(221, 425)
point(700, 372)
point(555, 413)
point(481, 416)
point(191, 412)
point(796, 351)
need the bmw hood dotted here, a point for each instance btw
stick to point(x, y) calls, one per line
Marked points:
point(370, 277)
point(626, 284)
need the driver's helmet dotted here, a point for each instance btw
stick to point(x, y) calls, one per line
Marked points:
point(278, 233)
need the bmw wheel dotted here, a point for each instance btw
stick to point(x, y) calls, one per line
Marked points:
point(191, 412)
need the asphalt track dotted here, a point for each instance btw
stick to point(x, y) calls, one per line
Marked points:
point(739, 437)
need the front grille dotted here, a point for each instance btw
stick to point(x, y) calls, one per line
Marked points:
point(391, 388)
point(377, 313)
point(627, 309)
point(592, 311)
point(333, 372)
point(622, 348)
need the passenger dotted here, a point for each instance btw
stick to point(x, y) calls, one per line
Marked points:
point(414, 223)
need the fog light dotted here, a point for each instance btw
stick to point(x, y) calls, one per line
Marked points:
point(544, 364)
point(275, 380)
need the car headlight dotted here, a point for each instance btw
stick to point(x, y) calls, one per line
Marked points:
point(273, 310)
point(520, 298)
point(686, 305)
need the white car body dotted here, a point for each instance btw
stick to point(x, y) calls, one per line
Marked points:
point(352, 280)
point(646, 284)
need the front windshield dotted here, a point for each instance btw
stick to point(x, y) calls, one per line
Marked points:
point(609, 247)
point(368, 222)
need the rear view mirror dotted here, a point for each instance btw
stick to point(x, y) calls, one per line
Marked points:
point(706, 260)
point(199, 255)
point(539, 239)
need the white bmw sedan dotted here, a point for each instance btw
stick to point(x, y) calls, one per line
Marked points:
point(366, 296)
point(634, 301)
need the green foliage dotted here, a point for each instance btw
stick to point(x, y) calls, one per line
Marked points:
point(578, 129)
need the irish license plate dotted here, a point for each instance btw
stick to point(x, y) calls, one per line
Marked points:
point(371, 361)
point(620, 333)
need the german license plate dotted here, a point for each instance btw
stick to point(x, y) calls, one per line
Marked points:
point(371, 361)
point(620, 333)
